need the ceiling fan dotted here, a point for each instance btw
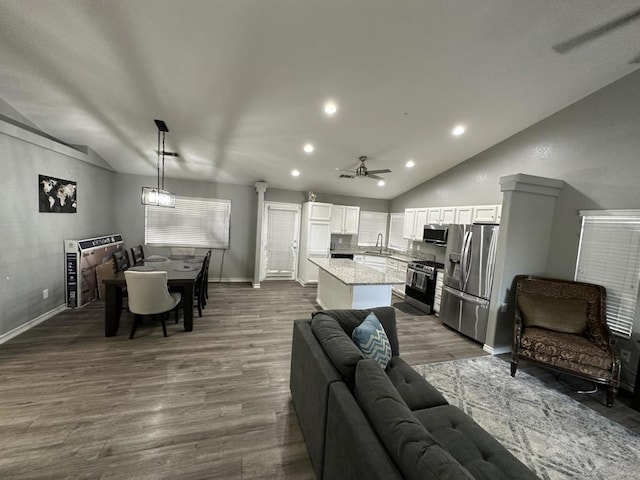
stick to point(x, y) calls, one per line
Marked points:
point(589, 35)
point(362, 171)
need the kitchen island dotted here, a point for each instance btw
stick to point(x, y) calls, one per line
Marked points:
point(345, 284)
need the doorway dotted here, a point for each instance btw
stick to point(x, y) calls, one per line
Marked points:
point(281, 229)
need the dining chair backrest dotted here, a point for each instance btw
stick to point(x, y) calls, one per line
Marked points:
point(121, 260)
point(137, 255)
point(148, 292)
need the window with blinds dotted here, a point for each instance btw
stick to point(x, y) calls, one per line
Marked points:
point(609, 255)
point(396, 225)
point(194, 222)
point(371, 224)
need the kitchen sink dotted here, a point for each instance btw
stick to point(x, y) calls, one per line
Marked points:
point(377, 252)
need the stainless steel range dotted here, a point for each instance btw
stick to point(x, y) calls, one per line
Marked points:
point(420, 285)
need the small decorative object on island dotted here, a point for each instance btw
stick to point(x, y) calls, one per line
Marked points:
point(56, 195)
point(312, 197)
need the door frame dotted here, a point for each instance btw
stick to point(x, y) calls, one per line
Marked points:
point(294, 207)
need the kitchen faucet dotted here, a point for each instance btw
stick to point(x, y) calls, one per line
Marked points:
point(379, 238)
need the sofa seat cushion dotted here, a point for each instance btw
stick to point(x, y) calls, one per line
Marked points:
point(416, 453)
point(416, 392)
point(472, 446)
point(564, 350)
point(339, 347)
point(350, 319)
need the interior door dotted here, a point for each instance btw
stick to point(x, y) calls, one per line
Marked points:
point(282, 223)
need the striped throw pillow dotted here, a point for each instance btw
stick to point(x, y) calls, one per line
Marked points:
point(372, 340)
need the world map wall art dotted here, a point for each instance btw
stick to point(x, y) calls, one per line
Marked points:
point(56, 195)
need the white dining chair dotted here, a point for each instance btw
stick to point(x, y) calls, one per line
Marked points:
point(149, 295)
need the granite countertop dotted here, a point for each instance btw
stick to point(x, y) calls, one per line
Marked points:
point(353, 273)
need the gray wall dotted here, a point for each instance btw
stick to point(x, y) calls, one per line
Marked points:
point(593, 145)
point(31, 257)
point(238, 260)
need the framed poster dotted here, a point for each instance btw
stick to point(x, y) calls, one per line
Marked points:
point(56, 195)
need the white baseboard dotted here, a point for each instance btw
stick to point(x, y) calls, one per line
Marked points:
point(255, 285)
point(5, 337)
point(232, 280)
point(497, 350)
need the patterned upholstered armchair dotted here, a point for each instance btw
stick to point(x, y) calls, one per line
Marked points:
point(561, 324)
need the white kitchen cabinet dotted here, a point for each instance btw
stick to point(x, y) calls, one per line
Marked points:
point(414, 221)
point(319, 211)
point(486, 213)
point(345, 219)
point(447, 215)
point(359, 259)
point(397, 269)
point(464, 215)
point(408, 229)
point(433, 217)
point(315, 239)
point(375, 262)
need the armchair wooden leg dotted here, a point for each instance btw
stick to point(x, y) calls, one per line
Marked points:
point(164, 323)
point(514, 367)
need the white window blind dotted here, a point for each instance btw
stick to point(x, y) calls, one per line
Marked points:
point(194, 222)
point(396, 225)
point(371, 224)
point(609, 255)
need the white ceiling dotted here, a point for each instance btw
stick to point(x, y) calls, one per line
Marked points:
point(241, 83)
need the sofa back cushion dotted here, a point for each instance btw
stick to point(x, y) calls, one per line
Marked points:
point(414, 451)
point(350, 319)
point(565, 315)
point(339, 347)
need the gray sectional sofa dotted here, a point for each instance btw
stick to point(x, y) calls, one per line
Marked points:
point(360, 421)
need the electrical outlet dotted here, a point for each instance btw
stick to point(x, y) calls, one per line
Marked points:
point(625, 355)
point(45, 293)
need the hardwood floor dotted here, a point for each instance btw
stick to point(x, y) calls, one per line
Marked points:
point(212, 403)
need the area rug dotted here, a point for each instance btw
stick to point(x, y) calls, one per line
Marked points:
point(551, 433)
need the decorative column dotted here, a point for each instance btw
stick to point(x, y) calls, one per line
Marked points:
point(528, 208)
point(261, 188)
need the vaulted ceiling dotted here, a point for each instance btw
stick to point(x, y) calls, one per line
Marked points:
point(241, 84)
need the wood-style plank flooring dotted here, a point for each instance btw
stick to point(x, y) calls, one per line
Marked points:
point(212, 403)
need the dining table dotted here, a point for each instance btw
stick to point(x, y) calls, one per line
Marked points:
point(182, 272)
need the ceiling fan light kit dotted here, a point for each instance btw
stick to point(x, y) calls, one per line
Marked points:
point(158, 196)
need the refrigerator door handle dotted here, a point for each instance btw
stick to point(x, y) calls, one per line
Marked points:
point(466, 297)
point(466, 259)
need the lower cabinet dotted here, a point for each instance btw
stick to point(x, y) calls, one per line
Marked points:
point(398, 269)
point(377, 263)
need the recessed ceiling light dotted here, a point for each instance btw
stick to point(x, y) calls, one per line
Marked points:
point(330, 108)
point(295, 173)
point(410, 164)
point(308, 147)
point(381, 183)
point(458, 130)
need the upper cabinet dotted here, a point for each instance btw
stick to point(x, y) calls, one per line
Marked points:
point(320, 211)
point(416, 218)
point(487, 213)
point(345, 219)
point(414, 221)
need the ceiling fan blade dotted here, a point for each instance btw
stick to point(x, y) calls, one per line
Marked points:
point(386, 170)
point(347, 171)
point(374, 177)
point(589, 35)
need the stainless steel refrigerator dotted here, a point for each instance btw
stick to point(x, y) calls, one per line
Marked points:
point(468, 277)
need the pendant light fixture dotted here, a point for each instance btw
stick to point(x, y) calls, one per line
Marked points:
point(158, 195)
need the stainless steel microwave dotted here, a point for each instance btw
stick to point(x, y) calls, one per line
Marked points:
point(435, 234)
